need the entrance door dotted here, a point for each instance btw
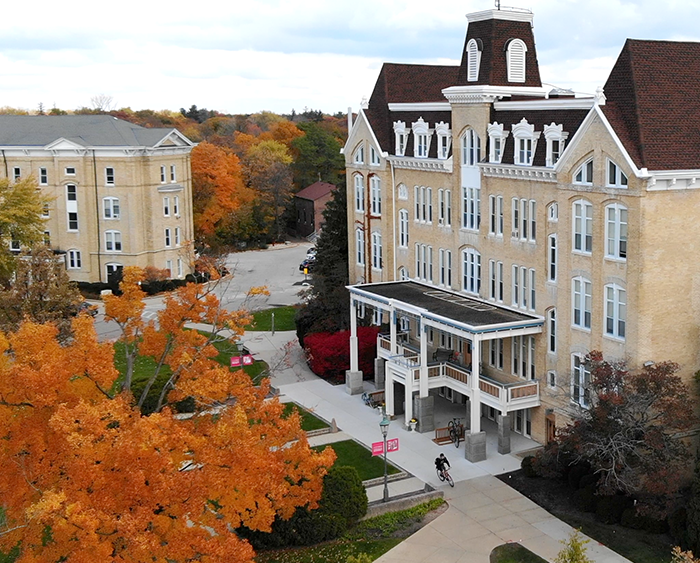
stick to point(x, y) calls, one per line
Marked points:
point(522, 423)
point(550, 428)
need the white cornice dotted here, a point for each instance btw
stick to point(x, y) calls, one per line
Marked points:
point(429, 164)
point(667, 180)
point(488, 94)
point(427, 106)
point(508, 15)
point(100, 152)
point(546, 104)
point(520, 172)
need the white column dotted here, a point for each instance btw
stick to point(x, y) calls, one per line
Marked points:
point(354, 360)
point(393, 321)
point(389, 390)
point(423, 380)
point(408, 397)
point(475, 414)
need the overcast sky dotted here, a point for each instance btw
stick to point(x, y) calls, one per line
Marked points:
point(244, 56)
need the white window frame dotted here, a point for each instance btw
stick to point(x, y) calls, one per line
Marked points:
point(552, 331)
point(525, 142)
point(73, 218)
point(70, 171)
point(73, 259)
point(358, 156)
point(110, 208)
point(422, 135)
point(444, 138)
point(401, 136)
point(523, 357)
point(581, 298)
point(17, 173)
point(173, 174)
point(584, 174)
point(403, 276)
point(72, 208)
point(113, 241)
point(470, 148)
point(359, 183)
point(616, 232)
point(615, 311)
point(496, 280)
point(403, 228)
point(497, 138)
point(516, 60)
point(580, 381)
point(471, 271)
point(556, 138)
point(178, 236)
point(582, 226)
point(176, 206)
point(471, 208)
point(444, 208)
point(496, 215)
point(515, 218)
point(375, 195)
point(374, 159)
point(163, 177)
point(553, 212)
point(496, 353)
point(403, 192)
point(614, 176)
point(43, 176)
point(360, 246)
point(377, 251)
point(473, 60)
point(552, 258)
point(166, 206)
point(109, 176)
point(180, 269)
point(552, 379)
point(167, 237)
point(445, 259)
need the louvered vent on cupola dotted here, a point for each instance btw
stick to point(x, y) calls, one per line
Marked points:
point(515, 59)
point(474, 49)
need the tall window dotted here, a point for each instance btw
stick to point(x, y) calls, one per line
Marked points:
point(72, 221)
point(421, 136)
point(177, 236)
point(527, 228)
point(111, 207)
point(552, 330)
point(403, 228)
point(72, 206)
point(584, 174)
point(400, 137)
point(580, 381)
point(376, 251)
point(167, 238)
point(444, 207)
point(166, 206)
point(525, 138)
point(616, 231)
point(424, 204)
point(360, 246)
point(444, 138)
point(471, 208)
point(173, 175)
point(113, 241)
point(359, 194)
point(43, 176)
point(71, 192)
point(376, 195)
point(471, 148)
point(583, 226)
point(109, 176)
point(445, 267)
point(162, 174)
point(497, 138)
point(616, 177)
point(496, 215)
point(515, 58)
point(615, 310)
point(176, 206)
point(424, 262)
point(552, 258)
point(73, 261)
point(496, 353)
point(581, 293)
point(496, 280)
point(471, 271)
point(555, 137)
point(523, 356)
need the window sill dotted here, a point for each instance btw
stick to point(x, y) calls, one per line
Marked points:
point(581, 253)
point(581, 328)
point(616, 259)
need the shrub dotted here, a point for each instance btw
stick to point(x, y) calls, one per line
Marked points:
point(526, 466)
point(576, 473)
point(344, 495)
point(329, 353)
point(574, 550)
point(589, 479)
point(609, 509)
point(677, 526)
point(585, 499)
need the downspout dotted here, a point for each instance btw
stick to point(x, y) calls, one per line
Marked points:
point(97, 210)
point(393, 216)
point(368, 232)
point(4, 159)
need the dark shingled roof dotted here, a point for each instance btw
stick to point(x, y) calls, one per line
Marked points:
point(84, 130)
point(459, 308)
point(494, 35)
point(570, 119)
point(315, 191)
point(653, 103)
point(405, 83)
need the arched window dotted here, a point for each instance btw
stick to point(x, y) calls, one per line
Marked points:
point(471, 271)
point(515, 59)
point(360, 246)
point(616, 231)
point(584, 173)
point(583, 226)
point(581, 302)
point(359, 156)
point(471, 148)
point(376, 195)
point(403, 228)
point(616, 178)
point(377, 251)
point(552, 331)
point(474, 48)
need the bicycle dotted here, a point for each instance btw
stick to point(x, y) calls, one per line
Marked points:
point(444, 475)
point(456, 430)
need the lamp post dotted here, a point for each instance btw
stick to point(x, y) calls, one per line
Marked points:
point(384, 426)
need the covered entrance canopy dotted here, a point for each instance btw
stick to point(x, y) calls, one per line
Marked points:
point(466, 318)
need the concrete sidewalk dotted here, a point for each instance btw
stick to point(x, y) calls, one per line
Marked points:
point(483, 511)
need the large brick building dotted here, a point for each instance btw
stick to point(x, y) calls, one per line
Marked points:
point(121, 195)
point(505, 228)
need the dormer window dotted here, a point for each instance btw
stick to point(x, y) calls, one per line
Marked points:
point(474, 48)
point(359, 157)
point(401, 136)
point(584, 174)
point(374, 157)
point(421, 141)
point(515, 59)
point(497, 136)
point(444, 137)
point(556, 138)
point(616, 177)
point(525, 142)
point(471, 148)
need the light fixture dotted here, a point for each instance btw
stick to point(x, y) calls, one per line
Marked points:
point(384, 427)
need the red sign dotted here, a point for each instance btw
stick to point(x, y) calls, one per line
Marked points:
point(248, 360)
point(235, 361)
point(391, 446)
point(238, 361)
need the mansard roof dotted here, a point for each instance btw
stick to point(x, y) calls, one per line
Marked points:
point(83, 130)
point(407, 84)
point(653, 103)
point(493, 35)
point(570, 119)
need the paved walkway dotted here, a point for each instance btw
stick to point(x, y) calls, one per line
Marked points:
point(483, 511)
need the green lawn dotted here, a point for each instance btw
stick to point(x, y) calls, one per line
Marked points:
point(308, 420)
point(284, 319)
point(514, 553)
point(356, 455)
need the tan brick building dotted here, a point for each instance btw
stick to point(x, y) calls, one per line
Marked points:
point(121, 194)
point(502, 227)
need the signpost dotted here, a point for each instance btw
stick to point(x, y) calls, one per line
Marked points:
point(391, 446)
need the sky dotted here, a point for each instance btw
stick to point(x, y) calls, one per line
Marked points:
point(246, 56)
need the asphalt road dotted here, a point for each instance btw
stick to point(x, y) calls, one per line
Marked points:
point(276, 268)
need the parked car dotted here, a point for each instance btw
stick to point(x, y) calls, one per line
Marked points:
point(308, 264)
point(311, 252)
point(85, 307)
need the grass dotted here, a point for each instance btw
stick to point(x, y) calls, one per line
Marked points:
point(308, 420)
point(514, 553)
point(284, 319)
point(356, 455)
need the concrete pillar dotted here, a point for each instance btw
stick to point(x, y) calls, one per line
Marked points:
point(423, 380)
point(475, 412)
point(379, 371)
point(394, 319)
point(353, 382)
point(408, 400)
point(424, 413)
point(475, 447)
point(354, 360)
point(389, 392)
point(503, 434)
point(467, 416)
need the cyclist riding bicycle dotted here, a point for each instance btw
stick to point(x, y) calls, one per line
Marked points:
point(441, 462)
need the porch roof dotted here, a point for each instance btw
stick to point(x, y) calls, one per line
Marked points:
point(447, 307)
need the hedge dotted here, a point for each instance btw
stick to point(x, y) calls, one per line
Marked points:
point(329, 353)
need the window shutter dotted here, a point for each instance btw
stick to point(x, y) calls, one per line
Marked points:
point(516, 61)
point(473, 56)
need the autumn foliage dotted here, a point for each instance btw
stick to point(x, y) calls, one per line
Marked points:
point(87, 477)
point(329, 353)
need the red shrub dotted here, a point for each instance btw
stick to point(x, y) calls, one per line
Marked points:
point(328, 353)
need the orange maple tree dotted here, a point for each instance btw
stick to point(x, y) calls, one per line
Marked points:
point(87, 477)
